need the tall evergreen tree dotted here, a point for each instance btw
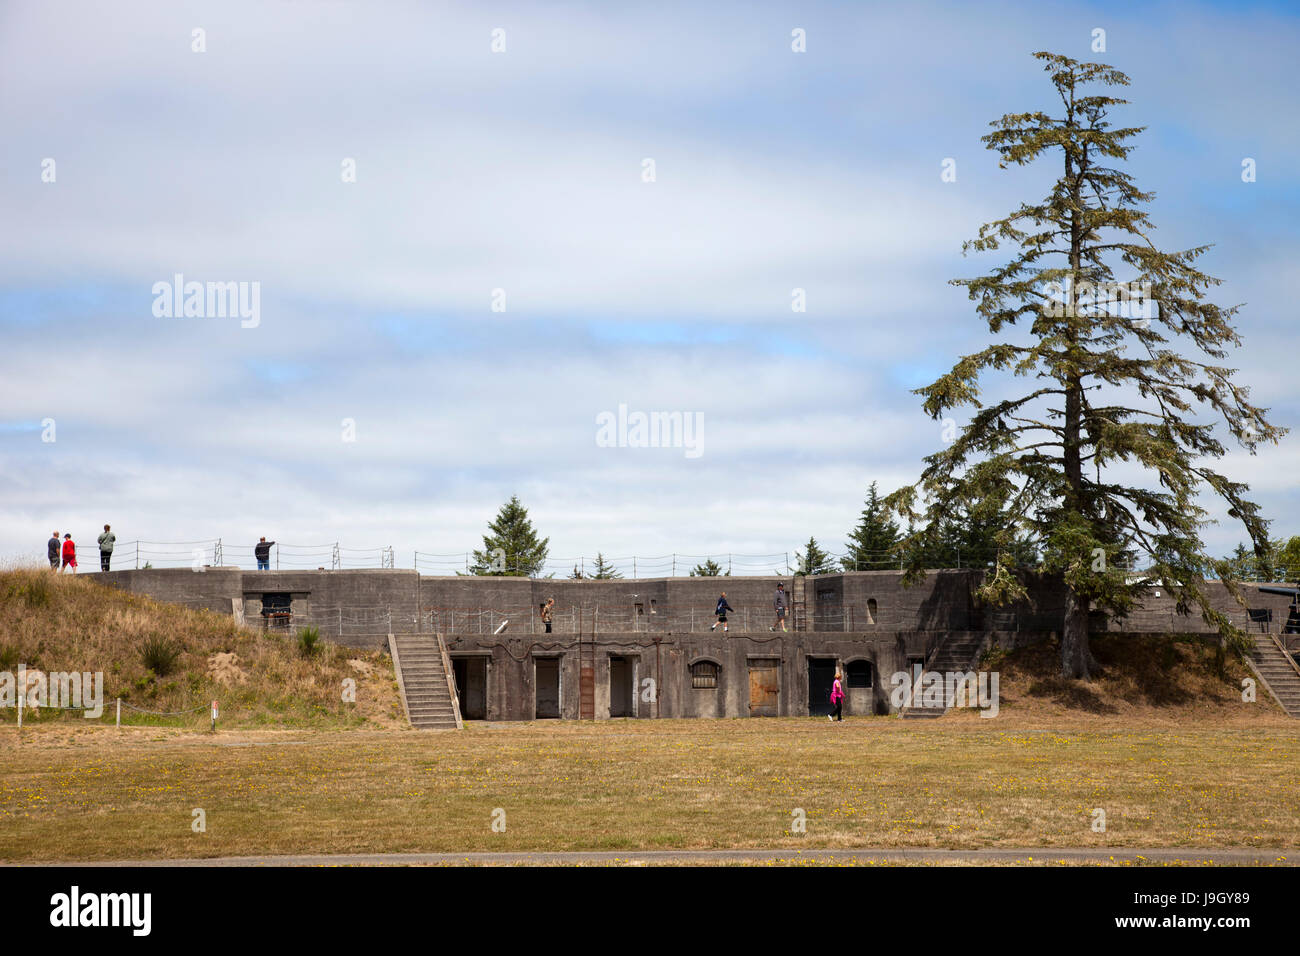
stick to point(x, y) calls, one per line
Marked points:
point(813, 560)
point(512, 548)
point(1042, 458)
point(870, 545)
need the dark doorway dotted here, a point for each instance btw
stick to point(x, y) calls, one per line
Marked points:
point(821, 675)
point(547, 671)
point(764, 687)
point(621, 693)
point(915, 665)
point(277, 610)
point(471, 686)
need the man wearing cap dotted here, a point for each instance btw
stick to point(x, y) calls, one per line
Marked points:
point(779, 604)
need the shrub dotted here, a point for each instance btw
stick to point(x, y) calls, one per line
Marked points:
point(308, 641)
point(35, 590)
point(160, 654)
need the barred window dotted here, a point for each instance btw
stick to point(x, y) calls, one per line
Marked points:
point(859, 673)
point(704, 674)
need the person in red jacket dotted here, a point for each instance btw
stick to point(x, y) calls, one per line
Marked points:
point(837, 699)
point(69, 554)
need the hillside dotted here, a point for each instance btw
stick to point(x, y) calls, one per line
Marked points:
point(166, 659)
point(1151, 679)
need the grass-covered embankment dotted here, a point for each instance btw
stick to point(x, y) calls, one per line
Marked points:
point(162, 658)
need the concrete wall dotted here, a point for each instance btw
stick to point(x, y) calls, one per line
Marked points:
point(362, 606)
point(661, 626)
point(666, 662)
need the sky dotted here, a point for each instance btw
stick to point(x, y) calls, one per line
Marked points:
point(462, 260)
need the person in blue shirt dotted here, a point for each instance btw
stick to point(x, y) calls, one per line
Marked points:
point(723, 608)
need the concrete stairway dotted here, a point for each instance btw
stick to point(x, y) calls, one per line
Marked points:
point(956, 653)
point(425, 681)
point(1277, 671)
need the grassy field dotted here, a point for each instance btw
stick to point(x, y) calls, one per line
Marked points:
point(1162, 742)
point(73, 793)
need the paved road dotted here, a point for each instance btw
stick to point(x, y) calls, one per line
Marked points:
point(1040, 855)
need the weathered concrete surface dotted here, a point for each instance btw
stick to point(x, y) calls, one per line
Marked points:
point(364, 603)
point(661, 673)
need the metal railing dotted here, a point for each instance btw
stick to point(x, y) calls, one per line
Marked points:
point(216, 552)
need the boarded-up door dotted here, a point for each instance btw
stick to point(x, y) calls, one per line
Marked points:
point(764, 687)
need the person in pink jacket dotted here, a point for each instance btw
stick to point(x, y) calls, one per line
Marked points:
point(837, 699)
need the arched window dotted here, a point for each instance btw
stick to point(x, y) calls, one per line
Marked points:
point(704, 674)
point(859, 673)
point(871, 610)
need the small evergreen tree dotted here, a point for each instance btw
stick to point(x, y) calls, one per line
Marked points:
point(512, 549)
point(603, 570)
point(870, 544)
point(709, 569)
point(813, 560)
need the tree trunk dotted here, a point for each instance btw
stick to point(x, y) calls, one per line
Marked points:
point(1077, 661)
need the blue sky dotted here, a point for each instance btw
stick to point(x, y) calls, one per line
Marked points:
point(522, 171)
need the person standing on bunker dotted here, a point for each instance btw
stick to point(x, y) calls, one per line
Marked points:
point(262, 551)
point(723, 608)
point(548, 610)
point(837, 699)
point(53, 550)
point(780, 605)
point(106, 542)
point(69, 553)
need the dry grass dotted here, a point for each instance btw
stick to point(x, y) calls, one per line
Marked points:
point(64, 623)
point(1151, 680)
point(93, 793)
point(1162, 742)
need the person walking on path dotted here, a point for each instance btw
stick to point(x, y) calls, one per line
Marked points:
point(548, 610)
point(723, 608)
point(106, 541)
point(262, 551)
point(69, 553)
point(779, 603)
point(837, 699)
point(54, 550)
